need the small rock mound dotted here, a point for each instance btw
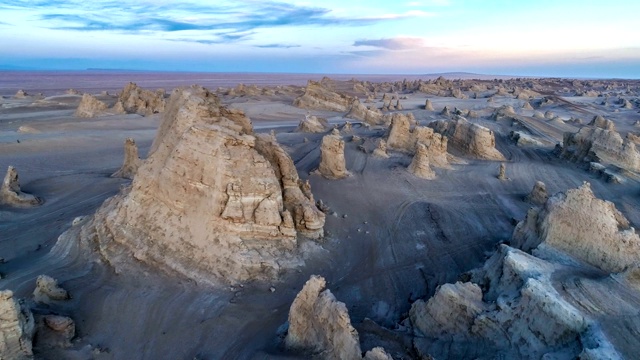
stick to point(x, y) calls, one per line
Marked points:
point(428, 105)
point(10, 193)
point(602, 123)
point(470, 138)
point(47, 289)
point(584, 227)
point(17, 327)
point(381, 150)
point(538, 195)
point(505, 112)
point(420, 164)
point(332, 163)
point(312, 124)
point(136, 100)
point(317, 97)
point(131, 160)
point(89, 107)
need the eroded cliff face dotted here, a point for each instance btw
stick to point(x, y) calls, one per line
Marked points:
point(17, 327)
point(599, 144)
point(318, 97)
point(583, 226)
point(212, 202)
point(136, 100)
point(403, 137)
point(470, 138)
point(332, 161)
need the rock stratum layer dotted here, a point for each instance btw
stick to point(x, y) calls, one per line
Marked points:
point(213, 202)
point(470, 138)
point(598, 144)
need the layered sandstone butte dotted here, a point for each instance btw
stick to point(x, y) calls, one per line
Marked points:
point(332, 161)
point(472, 139)
point(584, 227)
point(213, 201)
point(420, 164)
point(317, 97)
point(131, 160)
point(16, 328)
point(360, 112)
point(320, 325)
point(10, 193)
point(90, 106)
point(312, 124)
point(404, 138)
point(597, 144)
point(136, 100)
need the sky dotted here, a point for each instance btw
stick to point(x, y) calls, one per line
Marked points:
point(530, 38)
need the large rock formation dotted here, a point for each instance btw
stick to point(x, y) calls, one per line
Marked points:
point(16, 328)
point(332, 161)
point(420, 164)
point(600, 145)
point(404, 138)
point(360, 112)
point(312, 124)
point(131, 160)
point(470, 138)
point(136, 100)
point(583, 226)
point(90, 106)
point(317, 97)
point(320, 325)
point(10, 193)
point(212, 202)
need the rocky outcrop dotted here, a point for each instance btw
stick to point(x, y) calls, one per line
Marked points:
point(505, 112)
point(131, 160)
point(360, 112)
point(136, 100)
point(17, 326)
point(234, 224)
point(317, 97)
point(332, 162)
point(47, 290)
point(472, 139)
point(420, 164)
point(428, 105)
point(403, 138)
point(583, 226)
point(318, 323)
point(502, 172)
point(381, 149)
point(602, 123)
point(54, 331)
point(538, 195)
point(312, 124)
point(89, 107)
point(600, 145)
point(10, 193)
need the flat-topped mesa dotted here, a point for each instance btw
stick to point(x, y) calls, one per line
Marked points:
point(361, 112)
point(131, 161)
point(600, 145)
point(10, 193)
point(213, 202)
point(332, 162)
point(472, 139)
point(317, 97)
point(600, 122)
point(583, 226)
point(319, 324)
point(90, 106)
point(136, 100)
point(403, 138)
point(312, 124)
point(17, 327)
point(420, 164)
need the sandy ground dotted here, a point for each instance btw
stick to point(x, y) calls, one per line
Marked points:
point(392, 237)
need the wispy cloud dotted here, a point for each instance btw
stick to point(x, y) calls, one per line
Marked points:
point(277, 46)
point(397, 43)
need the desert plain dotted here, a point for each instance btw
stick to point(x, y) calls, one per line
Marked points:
point(451, 217)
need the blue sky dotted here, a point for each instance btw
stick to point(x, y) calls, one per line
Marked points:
point(544, 38)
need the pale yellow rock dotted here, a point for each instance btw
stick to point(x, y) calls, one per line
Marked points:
point(47, 289)
point(420, 164)
point(606, 145)
point(538, 195)
point(377, 353)
point(135, 100)
point(17, 326)
point(403, 138)
point(11, 194)
point(89, 107)
point(470, 138)
point(312, 124)
point(332, 162)
point(428, 105)
point(317, 97)
point(360, 112)
point(131, 160)
point(381, 149)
